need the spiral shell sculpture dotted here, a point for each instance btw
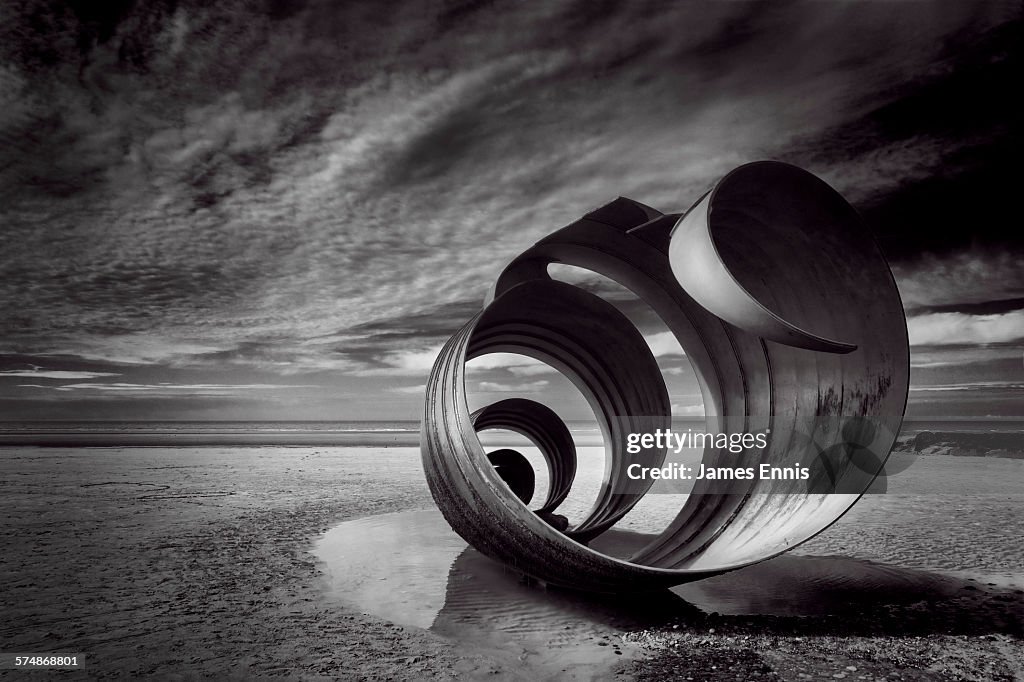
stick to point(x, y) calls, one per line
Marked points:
point(788, 312)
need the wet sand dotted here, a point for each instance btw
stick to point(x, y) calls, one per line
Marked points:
point(185, 563)
point(194, 563)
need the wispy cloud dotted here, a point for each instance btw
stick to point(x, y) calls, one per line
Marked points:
point(964, 356)
point(165, 389)
point(524, 387)
point(55, 374)
point(970, 277)
point(410, 390)
point(531, 370)
point(969, 386)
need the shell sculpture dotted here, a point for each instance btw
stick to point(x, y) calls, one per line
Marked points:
point(789, 314)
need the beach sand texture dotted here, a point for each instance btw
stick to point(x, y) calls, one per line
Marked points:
point(185, 563)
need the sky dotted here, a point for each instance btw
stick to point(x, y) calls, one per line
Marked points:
point(281, 210)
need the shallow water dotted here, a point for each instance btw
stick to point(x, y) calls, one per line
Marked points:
point(411, 568)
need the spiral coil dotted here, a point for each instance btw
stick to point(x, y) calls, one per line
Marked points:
point(788, 312)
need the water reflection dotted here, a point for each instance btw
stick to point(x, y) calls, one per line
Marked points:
point(410, 568)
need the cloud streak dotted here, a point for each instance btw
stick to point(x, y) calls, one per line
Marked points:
point(523, 387)
point(946, 329)
point(55, 374)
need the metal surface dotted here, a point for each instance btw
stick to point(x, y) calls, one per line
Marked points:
point(790, 317)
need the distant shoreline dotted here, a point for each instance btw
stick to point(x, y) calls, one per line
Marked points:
point(972, 441)
point(1008, 444)
point(165, 439)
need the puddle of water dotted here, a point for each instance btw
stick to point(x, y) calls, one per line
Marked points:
point(394, 566)
point(411, 568)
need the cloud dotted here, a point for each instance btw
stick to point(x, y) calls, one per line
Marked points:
point(953, 356)
point(969, 386)
point(525, 387)
point(664, 344)
point(944, 329)
point(687, 410)
point(930, 364)
point(518, 365)
point(413, 361)
point(500, 361)
point(970, 277)
point(168, 389)
point(532, 370)
point(55, 374)
point(419, 389)
point(400, 364)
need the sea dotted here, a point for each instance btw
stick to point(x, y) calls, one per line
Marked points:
point(346, 433)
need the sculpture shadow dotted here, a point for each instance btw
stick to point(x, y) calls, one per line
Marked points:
point(790, 594)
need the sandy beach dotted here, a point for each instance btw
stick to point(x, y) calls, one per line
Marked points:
point(184, 563)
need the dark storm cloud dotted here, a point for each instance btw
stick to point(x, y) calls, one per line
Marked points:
point(304, 187)
point(960, 117)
